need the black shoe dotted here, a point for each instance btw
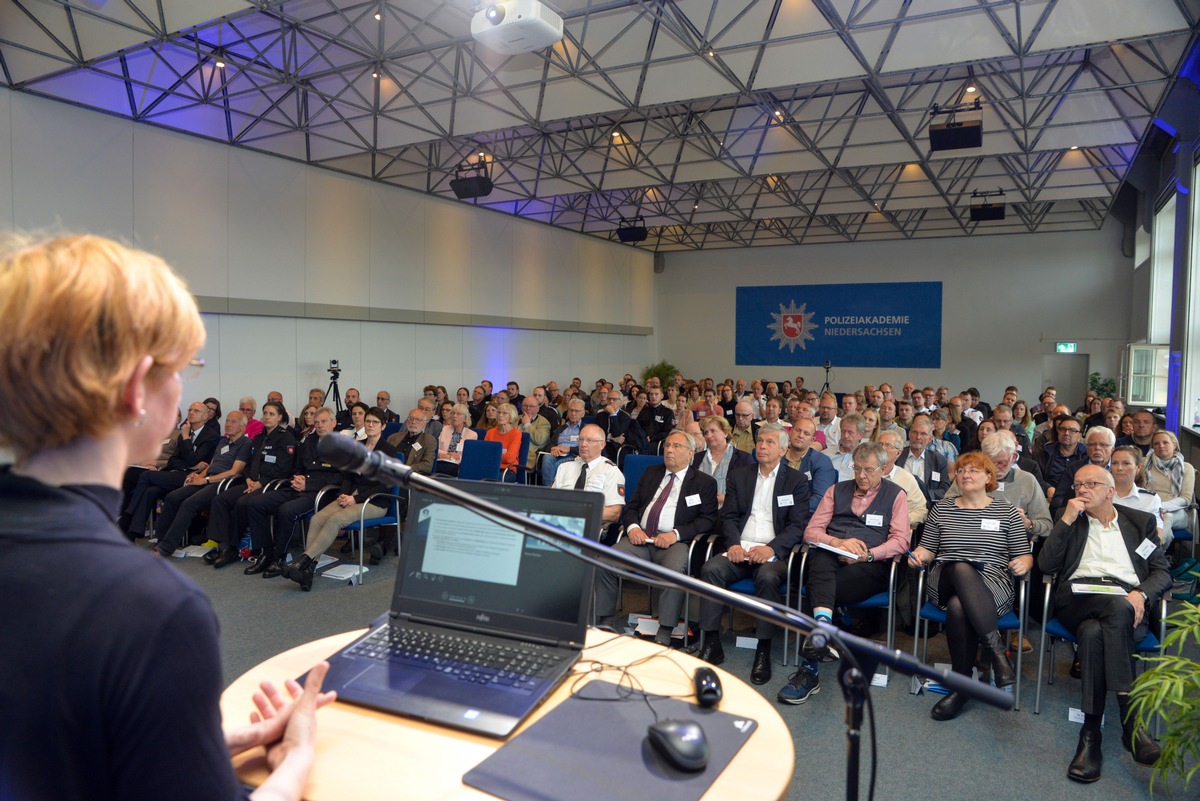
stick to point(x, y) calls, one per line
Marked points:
point(993, 651)
point(949, 707)
point(1076, 671)
point(760, 673)
point(712, 652)
point(347, 546)
point(375, 555)
point(276, 569)
point(260, 565)
point(226, 556)
point(302, 572)
point(211, 556)
point(1145, 751)
point(810, 650)
point(1085, 767)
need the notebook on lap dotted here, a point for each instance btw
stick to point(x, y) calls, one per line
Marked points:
point(485, 621)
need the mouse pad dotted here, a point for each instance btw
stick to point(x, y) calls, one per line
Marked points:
point(595, 750)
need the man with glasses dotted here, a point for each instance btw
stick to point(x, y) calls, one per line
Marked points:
point(827, 421)
point(1045, 434)
point(866, 519)
point(1056, 459)
point(918, 507)
point(671, 505)
point(1099, 443)
point(415, 445)
point(1097, 543)
point(564, 441)
point(850, 436)
point(590, 470)
point(742, 436)
point(1003, 417)
point(928, 465)
point(382, 400)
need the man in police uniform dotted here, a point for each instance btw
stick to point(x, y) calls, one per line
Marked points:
point(590, 470)
point(660, 421)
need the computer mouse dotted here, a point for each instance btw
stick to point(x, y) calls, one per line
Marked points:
point(680, 742)
point(708, 687)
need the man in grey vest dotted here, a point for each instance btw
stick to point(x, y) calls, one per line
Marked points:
point(866, 520)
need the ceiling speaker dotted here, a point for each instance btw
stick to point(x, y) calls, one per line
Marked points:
point(986, 212)
point(955, 135)
point(472, 186)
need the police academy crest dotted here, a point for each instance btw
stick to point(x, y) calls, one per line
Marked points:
point(792, 326)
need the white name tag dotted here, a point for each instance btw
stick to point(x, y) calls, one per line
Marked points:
point(692, 500)
point(785, 500)
point(269, 459)
point(658, 418)
point(808, 474)
point(999, 486)
point(225, 449)
point(573, 438)
point(416, 446)
point(935, 476)
point(987, 524)
point(1145, 549)
point(874, 520)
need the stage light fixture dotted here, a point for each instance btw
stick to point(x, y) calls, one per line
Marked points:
point(472, 180)
point(632, 229)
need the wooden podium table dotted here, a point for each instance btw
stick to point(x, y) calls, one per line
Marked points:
point(366, 755)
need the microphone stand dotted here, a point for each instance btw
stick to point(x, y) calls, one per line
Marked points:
point(853, 679)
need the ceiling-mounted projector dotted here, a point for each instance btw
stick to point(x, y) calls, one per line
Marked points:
point(516, 26)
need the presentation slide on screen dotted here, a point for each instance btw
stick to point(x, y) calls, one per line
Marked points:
point(464, 545)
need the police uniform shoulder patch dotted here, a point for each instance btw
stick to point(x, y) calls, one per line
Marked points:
point(621, 490)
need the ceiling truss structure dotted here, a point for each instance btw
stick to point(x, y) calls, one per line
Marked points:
point(723, 124)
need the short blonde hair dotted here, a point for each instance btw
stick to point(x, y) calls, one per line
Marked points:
point(79, 313)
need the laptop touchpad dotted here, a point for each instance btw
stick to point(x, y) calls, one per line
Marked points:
point(386, 681)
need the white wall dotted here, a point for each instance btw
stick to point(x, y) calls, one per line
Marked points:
point(294, 265)
point(1006, 301)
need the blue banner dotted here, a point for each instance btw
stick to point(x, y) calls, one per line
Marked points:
point(850, 325)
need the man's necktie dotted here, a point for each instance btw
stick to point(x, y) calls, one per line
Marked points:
point(656, 509)
point(581, 482)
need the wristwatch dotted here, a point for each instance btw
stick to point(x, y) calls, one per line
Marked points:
point(870, 556)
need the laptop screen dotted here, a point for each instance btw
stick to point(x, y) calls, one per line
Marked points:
point(461, 567)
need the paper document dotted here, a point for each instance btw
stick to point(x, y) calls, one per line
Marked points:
point(1097, 589)
point(836, 550)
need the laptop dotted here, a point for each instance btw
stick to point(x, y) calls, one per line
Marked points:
point(485, 621)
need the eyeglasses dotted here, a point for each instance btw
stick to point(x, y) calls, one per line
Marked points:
point(1070, 431)
point(969, 471)
point(866, 471)
point(674, 445)
point(592, 440)
point(192, 371)
point(1089, 484)
point(371, 421)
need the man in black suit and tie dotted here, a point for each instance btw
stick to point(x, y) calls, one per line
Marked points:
point(765, 511)
point(929, 466)
point(671, 506)
point(1095, 542)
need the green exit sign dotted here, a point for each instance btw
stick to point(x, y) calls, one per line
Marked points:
point(1065, 347)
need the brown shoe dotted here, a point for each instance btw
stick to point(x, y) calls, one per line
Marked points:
point(1026, 645)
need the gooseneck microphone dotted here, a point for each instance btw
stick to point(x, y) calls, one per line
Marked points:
point(345, 453)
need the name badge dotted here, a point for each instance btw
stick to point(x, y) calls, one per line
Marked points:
point(785, 500)
point(808, 474)
point(874, 520)
point(1145, 549)
point(692, 500)
point(935, 476)
point(573, 438)
point(987, 524)
point(269, 459)
point(225, 449)
point(999, 486)
point(416, 446)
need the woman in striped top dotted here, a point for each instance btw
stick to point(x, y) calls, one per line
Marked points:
point(976, 545)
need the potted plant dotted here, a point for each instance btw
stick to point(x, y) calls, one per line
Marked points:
point(664, 371)
point(1170, 687)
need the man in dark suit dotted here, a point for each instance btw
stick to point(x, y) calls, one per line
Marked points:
point(671, 506)
point(1094, 543)
point(197, 442)
point(765, 511)
point(929, 466)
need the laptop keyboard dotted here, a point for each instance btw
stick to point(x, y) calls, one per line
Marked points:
point(520, 666)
